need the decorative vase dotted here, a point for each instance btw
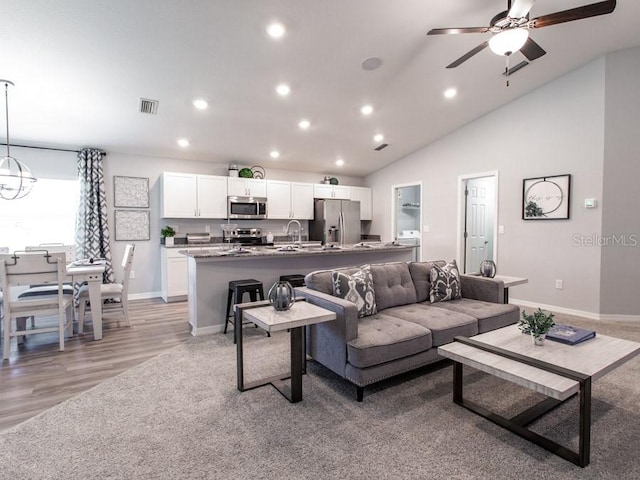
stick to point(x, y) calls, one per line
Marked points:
point(168, 241)
point(281, 295)
point(488, 268)
point(539, 339)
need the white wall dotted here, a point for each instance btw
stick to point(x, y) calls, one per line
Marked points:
point(556, 129)
point(620, 274)
point(147, 257)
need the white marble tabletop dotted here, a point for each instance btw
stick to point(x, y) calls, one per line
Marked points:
point(594, 357)
point(511, 281)
point(299, 315)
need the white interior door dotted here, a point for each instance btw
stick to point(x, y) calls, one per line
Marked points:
point(479, 222)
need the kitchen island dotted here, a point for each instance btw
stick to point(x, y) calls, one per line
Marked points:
point(211, 269)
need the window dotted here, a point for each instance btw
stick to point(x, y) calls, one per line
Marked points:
point(46, 215)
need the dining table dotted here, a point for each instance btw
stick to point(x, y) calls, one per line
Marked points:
point(92, 274)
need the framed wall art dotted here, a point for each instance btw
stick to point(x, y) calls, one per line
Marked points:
point(131, 192)
point(132, 225)
point(546, 198)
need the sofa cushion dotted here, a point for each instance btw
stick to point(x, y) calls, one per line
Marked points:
point(421, 276)
point(322, 280)
point(357, 288)
point(489, 315)
point(393, 285)
point(383, 338)
point(445, 283)
point(444, 324)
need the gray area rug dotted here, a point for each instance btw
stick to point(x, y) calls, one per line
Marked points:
point(179, 416)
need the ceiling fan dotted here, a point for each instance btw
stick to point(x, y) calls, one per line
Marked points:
point(510, 30)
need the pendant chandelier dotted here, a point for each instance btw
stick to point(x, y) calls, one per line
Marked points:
point(16, 179)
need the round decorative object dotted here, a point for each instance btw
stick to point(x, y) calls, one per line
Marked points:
point(245, 173)
point(488, 268)
point(281, 295)
point(539, 340)
point(333, 181)
point(257, 171)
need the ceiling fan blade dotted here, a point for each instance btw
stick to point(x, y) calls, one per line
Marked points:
point(532, 50)
point(520, 8)
point(451, 31)
point(592, 10)
point(515, 68)
point(468, 55)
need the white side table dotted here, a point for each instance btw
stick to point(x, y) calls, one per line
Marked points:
point(295, 319)
point(510, 282)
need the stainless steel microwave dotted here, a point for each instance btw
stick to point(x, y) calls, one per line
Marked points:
point(249, 208)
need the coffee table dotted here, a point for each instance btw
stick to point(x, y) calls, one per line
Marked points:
point(295, 319)
point(556, 370)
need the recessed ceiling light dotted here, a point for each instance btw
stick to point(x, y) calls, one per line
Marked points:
point(276, 30)
point(366, 110)
point(200, 104)
point(183, 142)
point(274, 154)
point(450, 93)
point(378, 137)
point(283, 89)
point(304, 124)
point(339, 162)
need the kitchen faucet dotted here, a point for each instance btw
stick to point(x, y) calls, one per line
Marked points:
point(299, 242)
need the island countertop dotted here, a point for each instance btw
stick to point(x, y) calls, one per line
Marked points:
point(289, 251)
point(211, 269)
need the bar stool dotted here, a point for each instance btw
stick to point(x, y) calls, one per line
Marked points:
point(237, 289)
point(295, 279)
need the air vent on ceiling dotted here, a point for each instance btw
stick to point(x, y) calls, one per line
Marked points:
point(148, 106)
point(381, 146)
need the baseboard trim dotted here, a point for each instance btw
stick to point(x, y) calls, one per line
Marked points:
point(144, 295)
point(197, 332)
point(605, 317)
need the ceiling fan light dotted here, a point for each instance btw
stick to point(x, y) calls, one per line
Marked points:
point(508, 41)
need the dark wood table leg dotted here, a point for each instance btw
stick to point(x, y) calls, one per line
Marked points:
point(297, 364)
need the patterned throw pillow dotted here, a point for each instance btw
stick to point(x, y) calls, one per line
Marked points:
point(357, 288)
point(445, 283)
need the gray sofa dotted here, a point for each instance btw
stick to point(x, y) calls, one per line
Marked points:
point(407, 329)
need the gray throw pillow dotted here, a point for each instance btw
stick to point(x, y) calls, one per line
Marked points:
point(445, 283)
point(357, 288)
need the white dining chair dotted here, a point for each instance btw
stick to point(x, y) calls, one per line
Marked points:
point(115, 291)
point(26, 268)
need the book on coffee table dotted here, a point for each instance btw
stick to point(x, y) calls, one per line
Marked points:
point(569, 335)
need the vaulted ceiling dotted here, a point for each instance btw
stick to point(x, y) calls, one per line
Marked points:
point(80, 68)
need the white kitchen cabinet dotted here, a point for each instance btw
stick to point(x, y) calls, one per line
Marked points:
point(338, 192)
point(289, 200)
point(179, 198)
point(186, 195)
point(174, 273)
point(302, 201)
point(246, 187)
point(363, 195)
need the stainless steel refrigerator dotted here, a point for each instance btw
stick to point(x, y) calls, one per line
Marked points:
point(335, 221)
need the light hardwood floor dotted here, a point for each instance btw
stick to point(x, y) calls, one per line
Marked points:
point(37, 376)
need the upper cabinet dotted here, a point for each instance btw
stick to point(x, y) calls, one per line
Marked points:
point(287, 200)
point(186, 195)
point(363, 195)
point(338, 192)
point(246, 187)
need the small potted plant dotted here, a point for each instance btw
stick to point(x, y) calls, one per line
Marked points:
point(537, 325)
point(168, 233)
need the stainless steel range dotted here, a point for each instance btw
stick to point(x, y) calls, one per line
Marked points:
point(245, 237)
